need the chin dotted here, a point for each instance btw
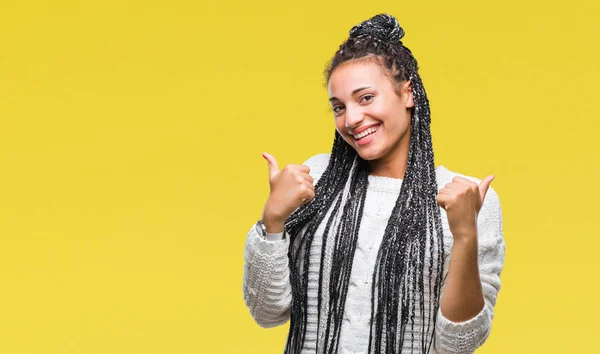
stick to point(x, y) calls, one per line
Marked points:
point(367, 154)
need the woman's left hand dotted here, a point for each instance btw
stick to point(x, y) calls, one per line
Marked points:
point(462, 200)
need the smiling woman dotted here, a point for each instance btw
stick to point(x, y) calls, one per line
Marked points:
point(372, 248)
point(374, 118)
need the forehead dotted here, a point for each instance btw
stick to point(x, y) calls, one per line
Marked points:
point(355, 74)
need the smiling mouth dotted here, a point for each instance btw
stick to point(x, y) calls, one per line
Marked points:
point(366, 133)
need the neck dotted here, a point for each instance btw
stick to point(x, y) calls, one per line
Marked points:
point(394, 164)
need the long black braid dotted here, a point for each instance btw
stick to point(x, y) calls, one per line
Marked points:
point(401, 275)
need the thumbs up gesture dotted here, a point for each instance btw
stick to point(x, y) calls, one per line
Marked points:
point(290, 188)
point(462, 199)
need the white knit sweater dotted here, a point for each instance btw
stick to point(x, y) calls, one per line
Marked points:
point(267, 289)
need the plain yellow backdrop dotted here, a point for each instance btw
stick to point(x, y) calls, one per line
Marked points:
point(131, 135)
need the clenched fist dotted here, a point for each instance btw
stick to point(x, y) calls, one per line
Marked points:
point(462, 199)
point(290, 188)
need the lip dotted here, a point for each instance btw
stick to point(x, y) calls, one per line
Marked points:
point(367, 140)
point(362, 129)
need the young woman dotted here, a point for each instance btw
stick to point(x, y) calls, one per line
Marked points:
point(372, 249)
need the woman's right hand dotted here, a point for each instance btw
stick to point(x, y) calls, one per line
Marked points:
point(290, 188)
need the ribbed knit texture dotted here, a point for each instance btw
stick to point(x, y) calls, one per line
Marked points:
point(267, 289)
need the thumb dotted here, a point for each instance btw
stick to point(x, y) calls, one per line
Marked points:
point(485, 185)
point(273, 167)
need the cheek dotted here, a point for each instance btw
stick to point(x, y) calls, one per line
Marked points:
point(405, 121)
point(340, 125)
point(400, 119)
point(399, 129)
point(396, 126)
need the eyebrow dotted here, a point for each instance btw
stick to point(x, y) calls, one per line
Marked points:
point(353, 93)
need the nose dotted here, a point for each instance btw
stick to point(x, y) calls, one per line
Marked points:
point(353, 118)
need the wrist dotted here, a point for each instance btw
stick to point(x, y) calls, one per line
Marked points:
point(465, 241)
point(464, 234)
point(273, 226)
point(273, 221)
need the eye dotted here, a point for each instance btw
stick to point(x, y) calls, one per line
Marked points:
point(337, 109)
point(366, 98)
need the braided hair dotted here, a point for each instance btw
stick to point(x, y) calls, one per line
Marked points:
point(401, 275)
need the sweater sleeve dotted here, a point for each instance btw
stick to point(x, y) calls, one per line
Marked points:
point(267, 291)
point(266, 281)
point(466, 337)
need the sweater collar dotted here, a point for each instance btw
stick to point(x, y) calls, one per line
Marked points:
point(394, 184)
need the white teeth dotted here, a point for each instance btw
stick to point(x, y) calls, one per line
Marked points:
point(366, 132)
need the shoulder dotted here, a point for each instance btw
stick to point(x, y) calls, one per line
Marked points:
point(317, 164)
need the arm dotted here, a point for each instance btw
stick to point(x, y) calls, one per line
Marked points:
point(464, 319)
point(266, 288)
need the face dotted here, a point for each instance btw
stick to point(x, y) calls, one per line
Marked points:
point(371, 112)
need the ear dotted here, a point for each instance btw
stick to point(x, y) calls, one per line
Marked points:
point(407, 94)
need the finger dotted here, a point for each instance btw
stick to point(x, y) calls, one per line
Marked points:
point(462, 180)
point(453, 186)
point(485, 185)
point(301, 168)
point(308, 177)
point(272, 162)
point(310, 195)
point(442, 200)
point(309, 185)
point(446, 191)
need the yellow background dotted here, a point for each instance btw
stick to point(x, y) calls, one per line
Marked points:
point(131, 135)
